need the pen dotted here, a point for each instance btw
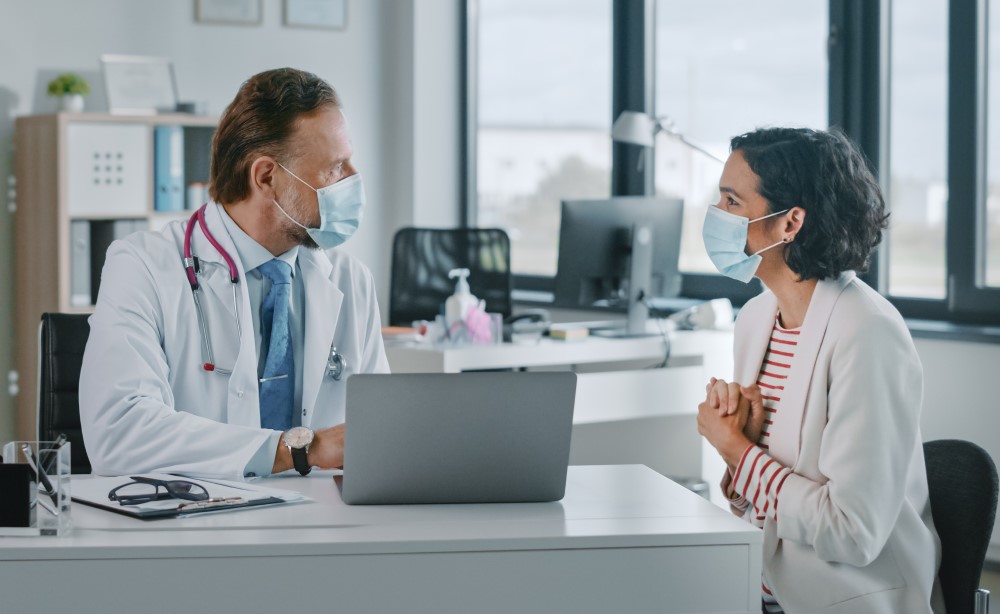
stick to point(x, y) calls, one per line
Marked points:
point(39, 472)
point(210, 503)
point(53, 452)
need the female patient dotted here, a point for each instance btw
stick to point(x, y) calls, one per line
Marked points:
point(820, 427)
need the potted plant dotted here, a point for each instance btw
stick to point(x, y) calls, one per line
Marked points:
point(70, 88)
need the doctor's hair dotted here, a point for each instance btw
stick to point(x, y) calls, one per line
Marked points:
point(826, 174)
point(260, 122)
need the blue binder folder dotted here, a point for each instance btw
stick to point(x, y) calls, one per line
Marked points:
point(169, 167)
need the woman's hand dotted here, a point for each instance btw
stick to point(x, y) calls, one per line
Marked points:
point(725, 397)
point(756, 415)
point(729, 398)
point(734, 406)
point(724, 431)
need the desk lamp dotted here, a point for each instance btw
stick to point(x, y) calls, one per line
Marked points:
point(641, 128)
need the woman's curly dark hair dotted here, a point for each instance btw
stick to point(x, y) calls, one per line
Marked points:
point(827, 175)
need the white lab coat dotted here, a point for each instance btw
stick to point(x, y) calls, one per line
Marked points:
point(854, 532)
point(147, 405)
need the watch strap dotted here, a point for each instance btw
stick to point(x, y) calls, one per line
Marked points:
point(300, 458)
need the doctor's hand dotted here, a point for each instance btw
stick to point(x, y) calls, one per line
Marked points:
point(326, 451)
point(327, 448)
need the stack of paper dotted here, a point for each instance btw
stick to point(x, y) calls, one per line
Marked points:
point(568, 334)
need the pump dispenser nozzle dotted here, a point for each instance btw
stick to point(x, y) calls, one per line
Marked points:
point(458, 304)
point(462, 285)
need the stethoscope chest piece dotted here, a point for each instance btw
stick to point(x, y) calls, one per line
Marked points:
point(336, 365)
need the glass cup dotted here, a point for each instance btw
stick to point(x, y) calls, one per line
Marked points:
point(496, 328)
point(49, 494)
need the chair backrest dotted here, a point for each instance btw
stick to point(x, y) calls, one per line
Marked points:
point(422, 257)
point(963, 491)
point(62, 338)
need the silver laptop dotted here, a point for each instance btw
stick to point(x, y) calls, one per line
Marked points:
point(457, 438)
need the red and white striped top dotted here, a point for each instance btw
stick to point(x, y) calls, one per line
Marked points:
point(758, 478)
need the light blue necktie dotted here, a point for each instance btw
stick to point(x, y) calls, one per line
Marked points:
point(277, 385)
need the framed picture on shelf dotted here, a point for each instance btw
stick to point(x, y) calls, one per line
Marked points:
point(139, 85)
point(232, 12)
point(324, 14)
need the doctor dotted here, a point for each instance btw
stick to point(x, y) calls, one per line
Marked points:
point(820, 427)
point(220, 346)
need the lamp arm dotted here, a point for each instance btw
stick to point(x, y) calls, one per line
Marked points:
point(665, 124)
point(699, 148)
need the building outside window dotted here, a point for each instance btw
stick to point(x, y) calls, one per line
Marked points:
point(544, 118)
point(723, 68)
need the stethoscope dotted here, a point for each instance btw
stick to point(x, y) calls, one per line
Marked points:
point(336, 364)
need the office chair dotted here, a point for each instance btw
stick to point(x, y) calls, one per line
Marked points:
point(422, 257)
point(62, 338)
point(962, 479)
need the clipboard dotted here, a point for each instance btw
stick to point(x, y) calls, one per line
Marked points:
point(223, 496)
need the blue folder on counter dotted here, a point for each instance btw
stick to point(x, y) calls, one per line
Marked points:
point(168, 165)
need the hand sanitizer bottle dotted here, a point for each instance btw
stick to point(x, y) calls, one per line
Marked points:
point(459, 303)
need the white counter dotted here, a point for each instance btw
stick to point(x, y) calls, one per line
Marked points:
point(624, 539)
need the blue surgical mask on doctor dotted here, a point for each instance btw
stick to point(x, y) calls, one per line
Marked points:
point(341, 208)
point(725, 236)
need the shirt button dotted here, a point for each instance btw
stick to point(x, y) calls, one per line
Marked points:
point(239, 394)
point(303, 411)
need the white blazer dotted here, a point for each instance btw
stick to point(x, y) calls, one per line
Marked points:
point(146, 403)
point(854, 532)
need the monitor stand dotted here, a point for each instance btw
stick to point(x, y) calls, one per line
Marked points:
point(639, 279)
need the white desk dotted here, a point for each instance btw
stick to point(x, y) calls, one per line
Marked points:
point(624, 539)
point(628, 408)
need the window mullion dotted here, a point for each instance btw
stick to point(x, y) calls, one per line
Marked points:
point(967, 300)
point(858, 89)
point(632, 90)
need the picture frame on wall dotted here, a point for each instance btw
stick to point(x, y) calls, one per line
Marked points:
point(139, 85)
point(229, 12)
point(321, 14)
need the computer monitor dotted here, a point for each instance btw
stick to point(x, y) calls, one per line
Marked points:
point(616, 253)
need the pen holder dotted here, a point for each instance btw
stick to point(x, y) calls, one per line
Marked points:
point(35, 489)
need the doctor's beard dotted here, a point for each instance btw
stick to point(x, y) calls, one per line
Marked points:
point(297, 208)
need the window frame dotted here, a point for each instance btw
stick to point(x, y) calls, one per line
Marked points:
point(968, 300)
point(858, 90)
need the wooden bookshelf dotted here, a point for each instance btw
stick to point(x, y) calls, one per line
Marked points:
point(80, 167)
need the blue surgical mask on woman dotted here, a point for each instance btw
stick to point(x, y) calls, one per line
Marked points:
point(341, 208)
point(725, 236)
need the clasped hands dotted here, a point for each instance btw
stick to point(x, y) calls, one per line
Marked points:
point(731, 418)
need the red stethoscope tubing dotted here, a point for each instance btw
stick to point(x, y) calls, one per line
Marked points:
point(190, 269)
point(336, 364)
point(189, 260)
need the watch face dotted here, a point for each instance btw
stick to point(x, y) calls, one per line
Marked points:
point(298, 437)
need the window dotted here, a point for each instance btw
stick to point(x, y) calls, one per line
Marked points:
point(544, 118)
point(723, 67)
point(917, 193)
point(915, 82)
point(991, 233)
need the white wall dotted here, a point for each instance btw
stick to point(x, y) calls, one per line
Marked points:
point(372, 63)
point(422, 134)
point(960, 401)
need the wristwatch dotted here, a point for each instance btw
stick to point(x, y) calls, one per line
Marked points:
point(298, 439)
